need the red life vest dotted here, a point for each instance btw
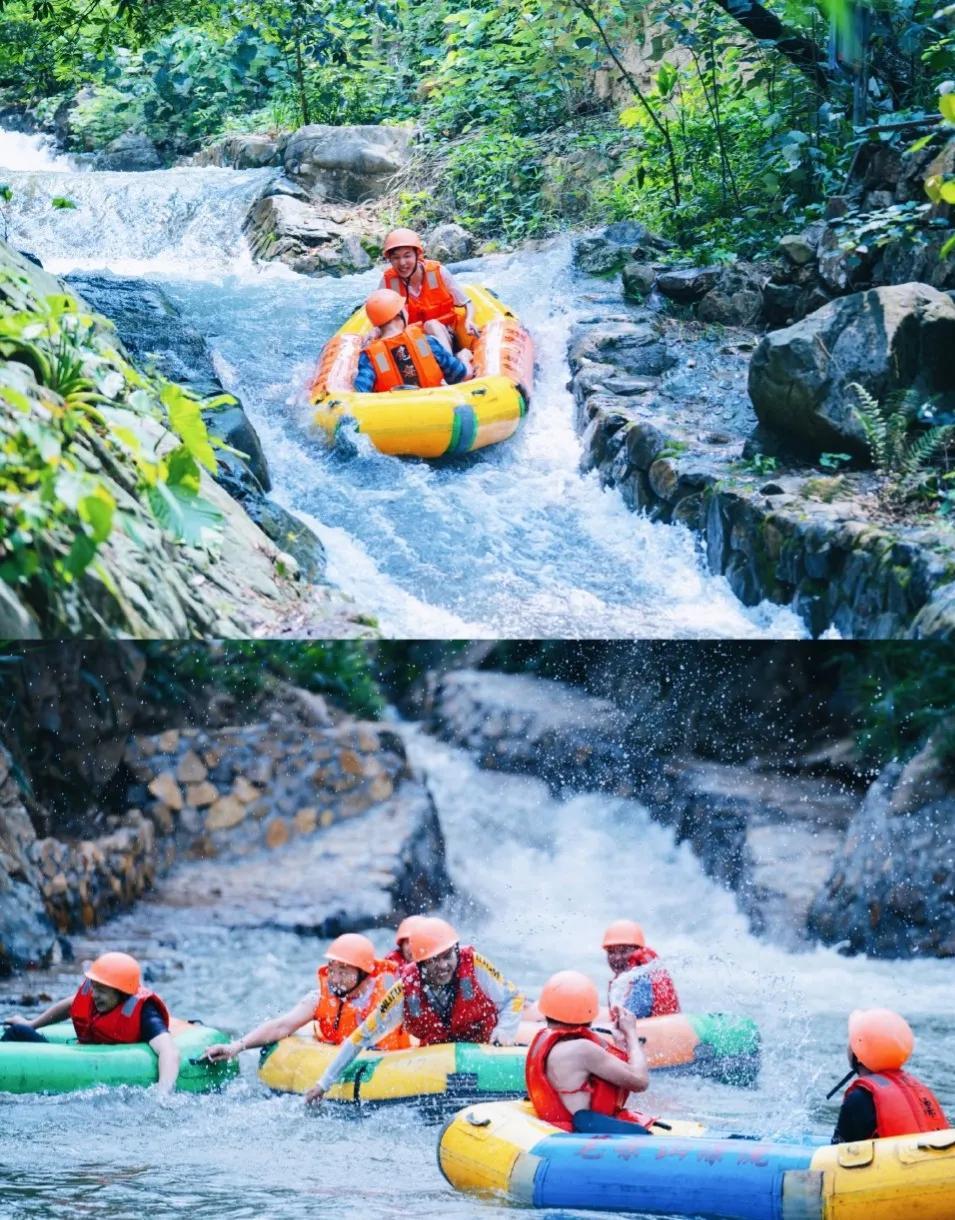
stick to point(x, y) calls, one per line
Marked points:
point(392, 367)
point(473, 1013)
point(434, 303)
point(336, 1017)
point(605, 1098)
point(903, 1105)
point(120, 1024)
point(395, 959)
point(664, 997)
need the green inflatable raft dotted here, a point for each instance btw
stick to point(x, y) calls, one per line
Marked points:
point(62, 1065)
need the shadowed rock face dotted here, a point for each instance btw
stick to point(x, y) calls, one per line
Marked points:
point(26, 932)
point(891, 888)
point(886, 339)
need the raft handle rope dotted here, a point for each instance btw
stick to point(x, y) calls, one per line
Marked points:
point(359, 1077)
point(836, 1087)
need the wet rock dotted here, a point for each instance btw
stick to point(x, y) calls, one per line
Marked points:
point(891, 889)
point(638, 280)
point(132, 152)
point(638, 348)
point(450, 243)
point(885, 339)
point(606, 251)
point(27, 936)
point(242, 150)
point(736, 299)
point(689, 284)
point(346, 163)
point(16, 621)
point(797, 248)
point(306, 237)
point(538, 727)
point(842, 265)
point(291, 535)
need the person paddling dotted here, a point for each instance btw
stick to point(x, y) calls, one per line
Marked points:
point(883, 1100)
point(111, 1006)
point(447, 993)
point(575, 1078)
point(652, 992)
point(349, 987)
point(432, 295)
point(403, 355)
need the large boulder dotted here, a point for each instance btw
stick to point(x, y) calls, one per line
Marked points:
point(606, 251)
point(885, 339)
point(451, 243)
point(242, 150)
point(891, 891)
point(346, 163)
point(735, 298)
point(130, 152)
point(310, 238)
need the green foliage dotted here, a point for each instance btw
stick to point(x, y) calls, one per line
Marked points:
point(69, 406)
point(896, 455)
point(494, 182)
point(759, 464)
point(832, 461)
point(341, 669)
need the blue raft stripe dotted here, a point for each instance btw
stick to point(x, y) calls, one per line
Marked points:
point(665, 1176)
point(464, 430)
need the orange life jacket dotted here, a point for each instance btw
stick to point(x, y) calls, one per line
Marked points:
point(120, 1024)
point(605, 1098)
point(903, 1105)
point(473, 1014)
point(336, 1017)
point(414, 364)
point(434, 303)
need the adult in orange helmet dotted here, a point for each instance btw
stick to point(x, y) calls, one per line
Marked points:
point(448, 992)
point(883, 1100)
point(434, 298)
point(111, 1005)
point(401, 953)
point(402, 354)
point(348, 988)
point(576, 1079)
point(650, 991)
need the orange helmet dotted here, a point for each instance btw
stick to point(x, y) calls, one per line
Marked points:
point(429, 937)
point(405, 927)
point(880, 1039)
point(569, 997)
point(624, 932)
point(383, 305)
point(117, 970)
point(402, 237)
point(354, 950)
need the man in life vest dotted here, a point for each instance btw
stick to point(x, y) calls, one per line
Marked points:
point(349, 987)
point(401, 953)
point(447, 993)
point(110, 1006)
point(651, 992)
point(576, 1079)
point(883, 1100)
point(433, 296)
point(403, 355)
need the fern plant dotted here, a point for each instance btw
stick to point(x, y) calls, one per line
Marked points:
point(900, 458)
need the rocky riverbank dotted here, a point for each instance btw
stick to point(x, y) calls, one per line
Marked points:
point(813, 845)
point(674, 414)
point(294, 821)
point(141, 539)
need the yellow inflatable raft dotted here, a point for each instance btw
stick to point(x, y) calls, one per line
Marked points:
point(445, 421)
point(503, 1149)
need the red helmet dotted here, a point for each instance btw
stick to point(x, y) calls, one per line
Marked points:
point(880, 1039)
point(431, 937)
point(353, 949)
point(117, 970)
point(569, 997)
point(624, 932)
point(383, 305)
point(402, 237)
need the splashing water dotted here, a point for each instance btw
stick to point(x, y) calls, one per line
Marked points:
point(512, 542)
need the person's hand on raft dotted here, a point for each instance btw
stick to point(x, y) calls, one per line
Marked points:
point(222, 1050)
point(315, 1096)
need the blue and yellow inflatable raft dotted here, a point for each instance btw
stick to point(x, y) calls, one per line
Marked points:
point(503, 1149)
